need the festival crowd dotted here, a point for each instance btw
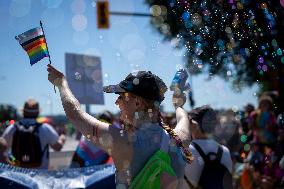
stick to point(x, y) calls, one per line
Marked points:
point(248, 143)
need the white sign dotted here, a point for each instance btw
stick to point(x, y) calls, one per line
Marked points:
point(84, 76)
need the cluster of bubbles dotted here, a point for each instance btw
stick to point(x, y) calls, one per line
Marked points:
point(22, 8)
point(79, 22)
point(246, 147)
point(88, 71)
point(78, 76)
point(160, 12)
point(261, 66)
point(223, 33)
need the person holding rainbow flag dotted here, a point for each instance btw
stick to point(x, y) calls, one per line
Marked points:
point(146, 152)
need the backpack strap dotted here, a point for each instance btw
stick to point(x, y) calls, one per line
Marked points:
point(36, 129)
point(204, 156)
point(17, 125)
point(37, 125)
point(47, 151)
point(199, 150)
point(189, 183)
point(219, 153)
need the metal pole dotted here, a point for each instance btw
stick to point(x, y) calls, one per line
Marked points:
point(130, 14)
point(88, 108)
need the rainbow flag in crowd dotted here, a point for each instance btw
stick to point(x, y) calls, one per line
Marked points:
point(87, 154)
point(33, 41)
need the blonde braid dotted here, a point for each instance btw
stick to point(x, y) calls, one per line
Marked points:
point(188, 155)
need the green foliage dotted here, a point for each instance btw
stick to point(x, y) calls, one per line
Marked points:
point(8, 112)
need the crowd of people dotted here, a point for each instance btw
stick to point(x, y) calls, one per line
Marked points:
point(261, 147)
point(202, 148)
point(254, 137)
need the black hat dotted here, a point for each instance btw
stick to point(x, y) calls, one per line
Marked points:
point(143, 84)
point(206, 118)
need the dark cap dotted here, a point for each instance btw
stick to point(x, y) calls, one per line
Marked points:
point(143, 84)
point(206, 118)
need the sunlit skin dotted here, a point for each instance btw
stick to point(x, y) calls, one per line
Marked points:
point(134, 111)
point(127, 106)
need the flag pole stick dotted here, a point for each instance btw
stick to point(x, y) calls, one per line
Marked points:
point(46, 48)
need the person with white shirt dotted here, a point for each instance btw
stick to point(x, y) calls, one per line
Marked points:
point(21, 138)
point(203, 121)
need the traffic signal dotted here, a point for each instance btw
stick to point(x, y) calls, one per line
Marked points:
point(103, 14)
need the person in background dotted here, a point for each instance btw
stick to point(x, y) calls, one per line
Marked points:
point(246, 120)
point(212, 165)
point(263, 123)
point(3, 152)
point(263, 169)
point(86, 153)
point(29, 140)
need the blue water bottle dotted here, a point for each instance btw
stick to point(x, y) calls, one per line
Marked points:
point(178, 82)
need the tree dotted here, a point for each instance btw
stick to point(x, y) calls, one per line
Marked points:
point(7, 113)
point(240, 40)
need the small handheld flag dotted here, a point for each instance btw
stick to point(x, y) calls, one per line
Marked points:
point(34, 43)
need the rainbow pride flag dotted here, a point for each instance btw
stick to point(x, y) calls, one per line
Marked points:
point(33, 41)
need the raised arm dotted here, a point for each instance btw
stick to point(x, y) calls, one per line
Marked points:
point(182, 128)
point(85, 123)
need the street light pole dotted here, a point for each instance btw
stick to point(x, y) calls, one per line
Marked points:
point(49, 103)
point(131, 14)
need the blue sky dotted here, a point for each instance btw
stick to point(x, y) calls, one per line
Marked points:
point(131, 43)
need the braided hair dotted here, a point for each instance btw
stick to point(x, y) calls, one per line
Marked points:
point(149, 104)
point(187, 154)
